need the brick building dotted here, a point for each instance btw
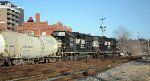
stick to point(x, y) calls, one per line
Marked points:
point(37, 27)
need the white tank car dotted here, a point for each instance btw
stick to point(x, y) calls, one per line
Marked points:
point(19, 45)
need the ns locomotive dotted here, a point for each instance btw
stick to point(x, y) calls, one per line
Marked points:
point(77, 45)
point(16, 48)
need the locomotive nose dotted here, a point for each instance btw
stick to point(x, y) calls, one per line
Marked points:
point(2, 44)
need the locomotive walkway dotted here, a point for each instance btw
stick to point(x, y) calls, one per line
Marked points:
point(60, 71)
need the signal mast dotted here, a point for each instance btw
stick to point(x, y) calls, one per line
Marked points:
point(102, 27)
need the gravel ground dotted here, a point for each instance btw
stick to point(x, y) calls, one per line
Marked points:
point(138, 70)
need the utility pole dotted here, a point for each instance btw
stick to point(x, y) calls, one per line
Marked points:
point(102, 27)
point(139, 45)
point(148, 46)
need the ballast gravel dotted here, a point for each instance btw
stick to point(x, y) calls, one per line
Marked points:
point(138, 70)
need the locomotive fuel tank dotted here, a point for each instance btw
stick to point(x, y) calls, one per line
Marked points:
point(19, 45)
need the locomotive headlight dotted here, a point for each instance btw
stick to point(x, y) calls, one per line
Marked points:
point(2, 44)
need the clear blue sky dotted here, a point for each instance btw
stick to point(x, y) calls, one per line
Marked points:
point(83, 15)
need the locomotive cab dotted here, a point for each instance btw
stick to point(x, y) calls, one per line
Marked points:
point(65, 41)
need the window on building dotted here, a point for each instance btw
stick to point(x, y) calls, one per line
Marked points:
point(2, 3)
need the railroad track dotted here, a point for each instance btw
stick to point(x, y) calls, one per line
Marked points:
point(60, 71)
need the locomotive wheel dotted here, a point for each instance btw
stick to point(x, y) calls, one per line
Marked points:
point(52, 59)
point(102, 56)
point(71, 58)
point(8, 63)
point(35, 62)
point(89, 57)
point(59, 59)
point(45, 60)
point(31, 62)
point(75, 58)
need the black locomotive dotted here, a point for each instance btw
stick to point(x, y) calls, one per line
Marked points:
point(80, 44)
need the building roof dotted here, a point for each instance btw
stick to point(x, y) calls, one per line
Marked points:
point(20, 7)
point(30, 19)
point(5, 2)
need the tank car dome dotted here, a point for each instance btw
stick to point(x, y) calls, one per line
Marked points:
point(2, 44)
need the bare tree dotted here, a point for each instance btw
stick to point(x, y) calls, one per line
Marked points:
point(126, 44)
point(123, 36)
point(122, 33)
point(136, 47)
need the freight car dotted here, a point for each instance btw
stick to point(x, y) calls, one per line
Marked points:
point(74, 45)
point(17, 47)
